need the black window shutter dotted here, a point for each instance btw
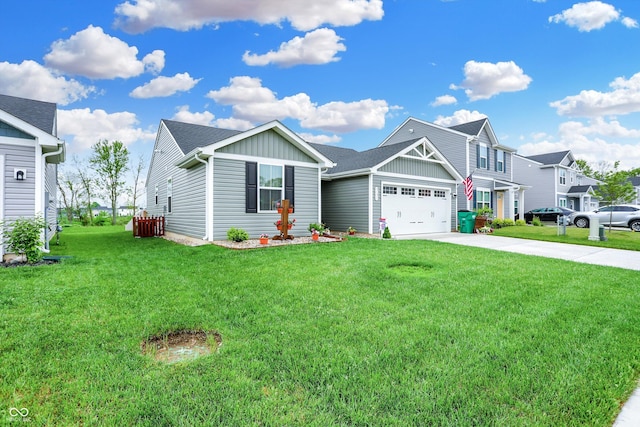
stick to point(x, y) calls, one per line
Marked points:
point(289, 184)
point(477, 156)
point(495, 163)
point(251, 187)
point(488, 158)
point(504, 163)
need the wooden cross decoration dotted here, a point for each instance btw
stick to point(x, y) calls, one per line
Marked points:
point(284, 222)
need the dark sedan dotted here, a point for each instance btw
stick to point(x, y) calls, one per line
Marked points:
point(549, 214)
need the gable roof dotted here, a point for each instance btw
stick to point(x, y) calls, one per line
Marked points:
point(40, 114)
point(190, 136)
point(549, 158)
point(470, 128)
point(348, 160)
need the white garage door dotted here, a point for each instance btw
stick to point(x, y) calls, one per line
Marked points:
point(415, 210)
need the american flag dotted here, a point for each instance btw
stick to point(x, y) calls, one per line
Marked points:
point(468, 187)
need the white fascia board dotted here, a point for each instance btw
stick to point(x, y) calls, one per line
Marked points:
point(352, 173)
point(282, 131)
point(43, 138)
point(438, 156)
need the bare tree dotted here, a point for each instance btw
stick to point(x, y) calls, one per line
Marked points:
point(87, 183)
point(137, 184)
point(110, 160)
point(70, 189)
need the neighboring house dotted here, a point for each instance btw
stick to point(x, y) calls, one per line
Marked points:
point(29, 154)
point(472, 149)
point(555, 180)
point(205, 180)
point(125, 211)
point(409, 184)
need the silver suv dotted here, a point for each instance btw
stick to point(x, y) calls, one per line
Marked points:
point(617, 215)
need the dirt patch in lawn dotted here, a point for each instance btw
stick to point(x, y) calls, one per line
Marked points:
point(411, 269)
point(181, 346)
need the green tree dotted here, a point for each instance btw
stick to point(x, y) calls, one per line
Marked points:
point(110, 160)
point(615, 187)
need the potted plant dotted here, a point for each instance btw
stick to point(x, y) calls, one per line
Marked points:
point(290, 224)
point(351, 231)
point(315, 234)
point(264, 239)
point(279, 208)
point(483, 217)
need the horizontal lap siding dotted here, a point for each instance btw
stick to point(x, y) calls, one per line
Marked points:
point(188, 199)
point(229, 201)
point(345, 203)
point(19, 196)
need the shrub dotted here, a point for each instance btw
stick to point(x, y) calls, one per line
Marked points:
point(521, 222)
point(237, 234)
point(497, 223)
point(508, 222)
point(386, 234)
point(23, 237)
point(103, 218)
point(536, 222)
point(315, 226)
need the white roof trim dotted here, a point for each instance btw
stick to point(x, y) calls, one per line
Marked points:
point(43, 138)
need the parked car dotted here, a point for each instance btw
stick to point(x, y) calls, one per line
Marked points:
point(615, 215)
point(549, 214)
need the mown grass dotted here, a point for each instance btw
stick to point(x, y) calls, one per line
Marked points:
point(364, 332)
point(616, 238)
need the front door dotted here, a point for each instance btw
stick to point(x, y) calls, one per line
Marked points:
point(499, 204)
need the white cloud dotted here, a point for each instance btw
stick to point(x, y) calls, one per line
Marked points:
point(165, 86)
point(592, 15)
point(444, 100)
point(82, 128)
point(235, 124)
point(458, 117)
point(317, 47)
point(137, 16)
point(629, 22)
point(31, 80)
point(184, 115)
point(94, 54)
point(623, 99)
point(594, 142)
point(483, 80)
point(254, 103)
point(320, 139)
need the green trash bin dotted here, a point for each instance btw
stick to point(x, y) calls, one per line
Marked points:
point(467, 221)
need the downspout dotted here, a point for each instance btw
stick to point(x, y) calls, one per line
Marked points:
point(46, 201)
point(207, 207)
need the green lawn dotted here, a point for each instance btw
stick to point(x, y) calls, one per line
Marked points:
point(616, 238)
point(363, 332)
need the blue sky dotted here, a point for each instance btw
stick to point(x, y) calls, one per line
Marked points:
point(550, 75)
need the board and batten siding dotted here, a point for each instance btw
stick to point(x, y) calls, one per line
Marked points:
point(19, 196)
point(229, 208)
point(426, 183)
point(345, 203)
point(416, 167)
point(268, 145)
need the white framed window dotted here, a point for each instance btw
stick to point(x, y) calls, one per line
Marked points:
point(500, 161)
point(562, 203)
point(515, 207)
point(270, 186)
point(169, 195)
point(484, 157)
point(405, 191)
point(483, 198)
point(572, 177)
point(563, 176)
point(424, 192)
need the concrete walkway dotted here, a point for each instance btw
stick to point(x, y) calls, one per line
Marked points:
point(587, 254)
point(630, 414)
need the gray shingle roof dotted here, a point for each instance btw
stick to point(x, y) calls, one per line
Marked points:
point(351, 160)
point(37, 113)
point(549, 158)
point(471, 128)
point(189, 136)
point(581, 188)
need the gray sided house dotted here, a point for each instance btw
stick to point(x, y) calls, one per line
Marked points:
point(29, 154)
point(473, 150)
point(205, 180)
point(410, 184)
point(555, 180)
